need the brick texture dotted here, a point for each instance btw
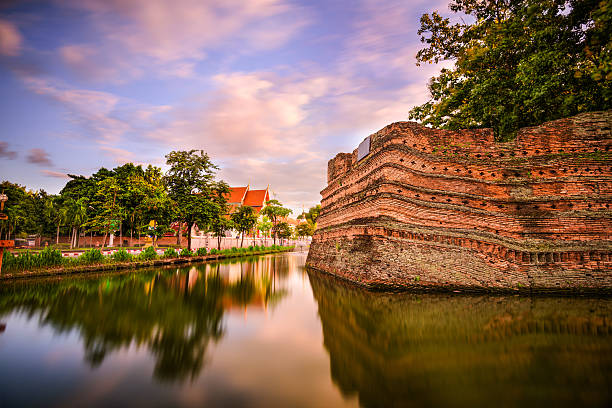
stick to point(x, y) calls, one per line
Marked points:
point(439, 209)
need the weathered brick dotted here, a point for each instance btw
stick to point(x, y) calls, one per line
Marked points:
point(444, 209)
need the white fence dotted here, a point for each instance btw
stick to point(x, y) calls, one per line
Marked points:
point(210, 242)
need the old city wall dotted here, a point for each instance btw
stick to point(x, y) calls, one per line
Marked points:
point(443, 209)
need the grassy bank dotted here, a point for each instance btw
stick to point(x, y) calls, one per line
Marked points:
point(51, 262)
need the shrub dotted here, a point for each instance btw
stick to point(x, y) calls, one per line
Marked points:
point(214, 251)
point(201, 252)
point(121, 256)
point(148, 254)
point(91, 256)
point(50, 257)
point(186, 252)
point(243, 250)
point(234, 249)
point(170, 253)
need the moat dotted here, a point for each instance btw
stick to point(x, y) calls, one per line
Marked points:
point(266, 332)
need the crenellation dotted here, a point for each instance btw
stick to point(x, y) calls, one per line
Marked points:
point(462, 210)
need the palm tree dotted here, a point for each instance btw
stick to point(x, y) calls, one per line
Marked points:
point(54, 213)
point(76, 212)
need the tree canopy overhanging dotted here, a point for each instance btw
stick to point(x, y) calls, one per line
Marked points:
point(517, 63)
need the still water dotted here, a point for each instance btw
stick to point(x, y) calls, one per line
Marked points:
point(265, 332)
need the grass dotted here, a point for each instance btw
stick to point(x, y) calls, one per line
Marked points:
point(50, 258)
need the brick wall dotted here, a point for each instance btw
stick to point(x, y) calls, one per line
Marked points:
point(432, 208)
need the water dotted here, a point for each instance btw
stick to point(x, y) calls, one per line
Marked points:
point(265, 332)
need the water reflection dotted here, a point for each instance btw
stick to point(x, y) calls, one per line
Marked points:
point(436, 350)
point(175, 314)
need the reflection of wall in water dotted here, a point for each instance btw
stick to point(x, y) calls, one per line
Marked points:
point(433, 350)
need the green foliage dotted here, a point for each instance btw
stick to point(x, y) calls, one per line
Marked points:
point(219, 225)
point(170, 253)
point(29, 260)
point(264, 225)
point(121, 256)
point(244, 220)
point(198, 198)
point(312, 215)
point(276, 212)
point(307, 229)
point(201, 252)
point(186, 253)
point(282, 230)
point(517, 63)
point(214, 251)
point(148, 254)
point(91, 256)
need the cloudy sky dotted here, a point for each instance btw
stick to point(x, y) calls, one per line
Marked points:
point(271, 89)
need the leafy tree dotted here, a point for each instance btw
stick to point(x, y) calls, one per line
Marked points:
point(276, 212)
point(75, 212)
point(108, 207)
point(244, 220)
point(20, 210)
point(54, 214)
point(192, 187)
point(517, 63)
point(305, 229)
point(282, 230)
point(219, 225)
point(264, 225)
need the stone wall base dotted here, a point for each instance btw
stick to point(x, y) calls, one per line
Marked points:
point(433, 263)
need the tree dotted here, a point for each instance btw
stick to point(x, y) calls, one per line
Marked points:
point(219, 225)
point(23, 215)
point(264, 225)
point(244, 220)
point(275, 211)
point(75, 211)
point(517, 63)
point(282, 230)
point(54, 214)
point(305, 229)
point(191, 185)
point(108, 208)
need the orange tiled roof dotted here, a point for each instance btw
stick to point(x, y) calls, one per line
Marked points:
point(236, 195)
point(256, 199)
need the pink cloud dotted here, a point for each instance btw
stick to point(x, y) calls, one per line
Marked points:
point(5, 152)
point(56, 174)
point(10, 39)
point(171, 37)
point(39, 156)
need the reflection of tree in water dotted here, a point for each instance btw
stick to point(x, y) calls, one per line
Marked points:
point(441, 350)
point(174, 313)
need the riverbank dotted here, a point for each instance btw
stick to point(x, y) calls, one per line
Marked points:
point(114, 266)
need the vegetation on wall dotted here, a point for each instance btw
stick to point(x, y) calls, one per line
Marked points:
point(516, 63)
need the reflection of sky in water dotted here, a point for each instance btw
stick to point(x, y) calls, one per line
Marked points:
point(268, 356)
point(265, 333)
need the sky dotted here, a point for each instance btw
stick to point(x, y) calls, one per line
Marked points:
point(270, 89)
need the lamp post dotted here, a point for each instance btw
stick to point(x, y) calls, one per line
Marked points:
point(4, 243)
